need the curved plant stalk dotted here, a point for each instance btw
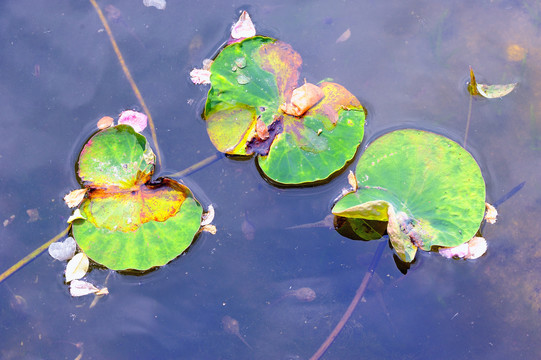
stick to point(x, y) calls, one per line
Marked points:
point(34, 254)
point(129, 77)
point(354, 302)
point(468, 122)
point(199, 165)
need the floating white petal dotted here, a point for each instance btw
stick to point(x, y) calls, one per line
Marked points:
point(243, 28)
point(158, 4)
point(63, 250)
point(200, 76)
point(77, 267)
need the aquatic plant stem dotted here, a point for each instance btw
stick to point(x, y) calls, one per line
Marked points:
point(129, 77)
point(34, 254)
point(199, 165)
point(468, 122)
point(353, 304)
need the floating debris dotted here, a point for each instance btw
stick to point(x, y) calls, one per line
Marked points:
point(9, 220)
point(138, 121)
point(302, 99)
point(472, 249)
point(231, 326)
point(158, 4)
point(75, 197)
point(200, 76)
point(63, 250)
point(105, 122)
point(77, 267)
point(33, 215)
point(82, 288)
point(243, 28)
point(345, 35)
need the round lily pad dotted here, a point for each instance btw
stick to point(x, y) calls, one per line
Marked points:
point(130, 222)
point(429, 189)
point(251, 80)
point(117, 156)
point(152, 243)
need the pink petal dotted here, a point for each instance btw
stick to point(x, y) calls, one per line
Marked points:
point(200, 76)
point(243, 28)
point(138, 121)
point(458, 251)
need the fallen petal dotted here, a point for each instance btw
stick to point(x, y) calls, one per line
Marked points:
point(495, 91)
point(138, 121)
point(75, 197)
point(77, 267)
point(63, 250)
point(76, 215)
point(208, 216)
point(33, 215)
point(158, 4)
point(209, 228)
point(344, 36)
point(477, 247)
point(82, 288)
point(105, 122)
point(243, 28)
point(103, 291)
point(302, 99)
point(459, 251)
point(491, 213)
point(261, 130)
point(472, 249)
point(200, 76)
point(352, 180)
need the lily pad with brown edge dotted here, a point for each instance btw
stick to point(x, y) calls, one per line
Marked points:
point(311, 131)
point(427, 187)
point(131, 222)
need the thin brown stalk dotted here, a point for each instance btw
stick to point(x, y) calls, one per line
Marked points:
point(468, 121)
point(129, 77)
point(34, 254)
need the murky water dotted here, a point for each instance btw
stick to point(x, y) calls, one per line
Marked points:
point(407, 61)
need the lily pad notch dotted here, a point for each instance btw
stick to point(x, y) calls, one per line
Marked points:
point(255, 106)
point(427, 187)
point(127, 220)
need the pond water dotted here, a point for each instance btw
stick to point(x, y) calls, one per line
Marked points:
point(407, 61)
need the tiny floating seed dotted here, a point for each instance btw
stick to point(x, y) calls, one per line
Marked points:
point(243, 79)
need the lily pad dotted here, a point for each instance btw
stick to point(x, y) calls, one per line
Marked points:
point(252, 81)
point(130, 222)
point(427, 187)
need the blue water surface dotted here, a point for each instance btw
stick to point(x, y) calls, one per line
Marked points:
point(408, 63)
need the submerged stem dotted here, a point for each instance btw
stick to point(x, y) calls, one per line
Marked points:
point(353, 304)
point(34, 254)
point(129, 77)
point(198, 166)
point(468, 122)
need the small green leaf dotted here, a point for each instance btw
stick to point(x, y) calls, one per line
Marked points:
point(428, 188)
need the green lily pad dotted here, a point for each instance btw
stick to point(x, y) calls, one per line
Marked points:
point(129, 221)
point(429, 189)
point(250, 80)
point(118, 156)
